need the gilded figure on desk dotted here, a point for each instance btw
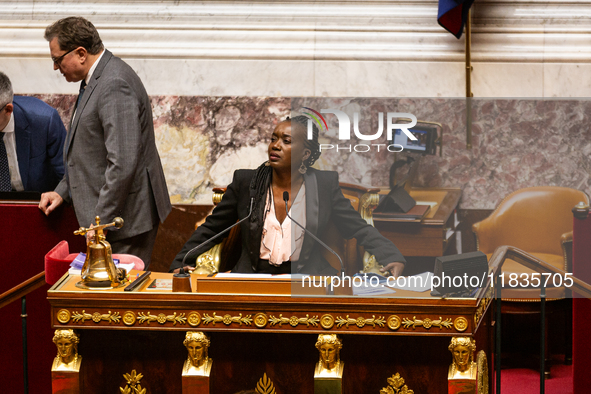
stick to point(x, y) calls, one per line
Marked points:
point(330, 365)
point(463, 366)
point(67, 358)
point(271, 242)
point(198, 363)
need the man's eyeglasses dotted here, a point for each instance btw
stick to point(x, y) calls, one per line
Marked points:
point(58, 60)
point(2, 109)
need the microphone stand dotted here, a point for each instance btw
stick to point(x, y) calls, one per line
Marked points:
point(286, 199)
point(219, 234)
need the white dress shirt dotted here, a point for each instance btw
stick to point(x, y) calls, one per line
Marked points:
point(10, 142)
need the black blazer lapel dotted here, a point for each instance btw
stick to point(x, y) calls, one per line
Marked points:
point(86, 95)
point(312, 207)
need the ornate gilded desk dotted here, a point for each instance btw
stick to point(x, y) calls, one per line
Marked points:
point(257, 334)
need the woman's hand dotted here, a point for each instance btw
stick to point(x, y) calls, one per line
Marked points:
point(188, 269)
point(395, 269)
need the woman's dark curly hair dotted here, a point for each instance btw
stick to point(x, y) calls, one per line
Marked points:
point(301, 122)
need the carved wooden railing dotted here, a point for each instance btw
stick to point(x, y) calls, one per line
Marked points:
point(496, 261)
point(503, 253)
point(21, 291)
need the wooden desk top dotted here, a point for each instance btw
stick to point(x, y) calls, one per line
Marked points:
point(407, 313)
point(447, 200)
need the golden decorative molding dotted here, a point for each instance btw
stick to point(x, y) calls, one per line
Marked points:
point(461, 324)
point(227, 319)
point(463, 366)
point(294, 321)
point(133, 385)
point(63, 316)
point(209, 262)
point(426, 323)
point(360, 321)
point(482, 374)
point(129, 318)
point(217, 197)
point(327, 321)
point(194, 319)
point(67, 359)
point(265, 385)
point(371, 265)
point(260, 320)
point(198, 362)
point(480, 310)
point(396, 386)
point(367, 203)
point(162, 318)
point(394, 322)
point(96, 317)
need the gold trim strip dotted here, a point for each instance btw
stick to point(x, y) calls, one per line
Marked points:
point(162, 318)
point(427, 323)
point(227, 319)
point(294, 321)
point(96, 317)
point(360, 321)
point(262, 320)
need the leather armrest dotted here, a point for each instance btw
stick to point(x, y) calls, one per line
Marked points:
point(566, 237)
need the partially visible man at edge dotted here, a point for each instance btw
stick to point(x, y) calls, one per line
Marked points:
point(33, 136)
point(112, 166)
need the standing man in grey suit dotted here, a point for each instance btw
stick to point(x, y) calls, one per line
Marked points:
point(112, 167)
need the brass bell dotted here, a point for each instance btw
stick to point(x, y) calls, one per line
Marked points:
point(99, 271)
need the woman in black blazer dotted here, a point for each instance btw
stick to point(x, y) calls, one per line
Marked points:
point(265, 186)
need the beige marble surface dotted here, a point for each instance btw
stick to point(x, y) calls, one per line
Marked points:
point(516, 142)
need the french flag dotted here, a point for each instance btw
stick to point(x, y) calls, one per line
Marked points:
point(452, 15)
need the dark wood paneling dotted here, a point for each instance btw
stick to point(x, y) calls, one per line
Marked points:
point(174, 232)
point(467, 218)
point(241, 359)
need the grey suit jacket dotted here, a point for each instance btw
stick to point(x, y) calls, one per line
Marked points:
point(112, 165)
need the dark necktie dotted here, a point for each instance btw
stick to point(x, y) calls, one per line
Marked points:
point(4, 169)
point(67, 147)
point(81, 93)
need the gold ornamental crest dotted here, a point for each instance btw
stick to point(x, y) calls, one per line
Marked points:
point(394, 322)
point(461, 324)
point(260, 320)
point(327, 321)
point(63, 316)
point(194, 319)
point(128, 318)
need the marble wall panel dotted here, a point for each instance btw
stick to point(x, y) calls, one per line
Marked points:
point(323, 48)
point(516, 142)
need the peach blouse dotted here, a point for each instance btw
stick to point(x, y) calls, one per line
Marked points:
point(277, 243)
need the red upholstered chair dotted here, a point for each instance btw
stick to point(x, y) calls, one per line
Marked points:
point(58, 260)
point(539, 221)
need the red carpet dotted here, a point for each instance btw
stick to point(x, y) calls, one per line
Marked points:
point(527, 381)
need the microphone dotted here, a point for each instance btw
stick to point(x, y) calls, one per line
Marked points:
point(252, 192)
point(286, 199)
